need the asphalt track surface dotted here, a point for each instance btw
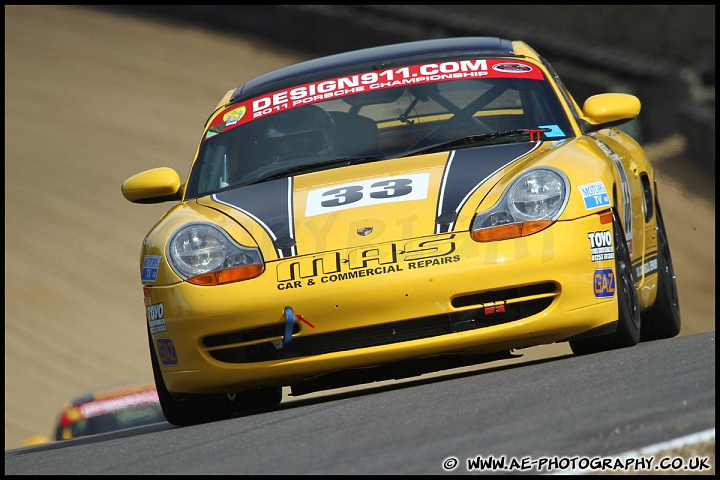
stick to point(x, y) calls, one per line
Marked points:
point(92, 99)
point(556, 414)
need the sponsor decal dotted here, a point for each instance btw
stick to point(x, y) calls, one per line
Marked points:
point(365, 262)
point(166, 350)
point(601, 246)
point(367, 192)
point(150, 268)
point(373, 80)
point(594, 195)
point(233, 116)
point(155, 314)
point(512, 67)
point(604, 283)
point(649, 267)
point(625, 189)
point(551, 131)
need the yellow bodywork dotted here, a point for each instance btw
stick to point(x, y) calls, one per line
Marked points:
point(400, 271)
point(384, 263)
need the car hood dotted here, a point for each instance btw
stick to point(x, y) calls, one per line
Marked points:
point(374, 202)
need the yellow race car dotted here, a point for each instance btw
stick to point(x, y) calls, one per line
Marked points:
point(393, 211)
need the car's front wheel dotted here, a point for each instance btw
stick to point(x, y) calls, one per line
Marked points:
point(627, 332)
point(196, 409)
point(188, 411)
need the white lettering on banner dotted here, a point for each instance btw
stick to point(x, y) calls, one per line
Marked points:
point(374, 80)
point(394, 77)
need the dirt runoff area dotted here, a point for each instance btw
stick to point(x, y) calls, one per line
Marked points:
point(91, 99)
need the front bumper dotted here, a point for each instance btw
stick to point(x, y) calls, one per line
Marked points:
point(380, 304)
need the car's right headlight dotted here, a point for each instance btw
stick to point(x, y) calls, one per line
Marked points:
point(531, 203)
point(204, 254)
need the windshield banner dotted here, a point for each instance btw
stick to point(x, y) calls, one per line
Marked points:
point(424, 73)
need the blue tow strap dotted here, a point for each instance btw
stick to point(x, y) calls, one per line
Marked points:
point(290, 321)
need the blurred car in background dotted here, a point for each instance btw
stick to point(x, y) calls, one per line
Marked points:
point(106, 410)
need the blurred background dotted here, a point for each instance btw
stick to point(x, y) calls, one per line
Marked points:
point(664, 54)
point(96, 94)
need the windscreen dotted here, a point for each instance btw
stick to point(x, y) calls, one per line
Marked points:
point(377, 115)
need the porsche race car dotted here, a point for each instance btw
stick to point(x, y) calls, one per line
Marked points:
point(106, 410)
point(393, 211)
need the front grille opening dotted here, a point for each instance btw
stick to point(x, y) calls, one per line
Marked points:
point(495, 308)
point(508, 295)
point(245, 336)
point(338, 341)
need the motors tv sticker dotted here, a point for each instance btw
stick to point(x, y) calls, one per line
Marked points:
point(150, 268)
point(604, 283)
point(594, 195)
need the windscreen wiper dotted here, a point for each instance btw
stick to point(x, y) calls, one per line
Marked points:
point(518, 133)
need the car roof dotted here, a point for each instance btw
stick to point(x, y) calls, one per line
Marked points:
point(111, 393)
point(374, 57)
point(107, 400)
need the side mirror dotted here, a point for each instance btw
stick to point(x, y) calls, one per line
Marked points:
point(608, 110)
point(153, 186)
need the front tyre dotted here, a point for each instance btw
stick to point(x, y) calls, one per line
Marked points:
point(189, 411)
point(662, 320)
point(627, 332)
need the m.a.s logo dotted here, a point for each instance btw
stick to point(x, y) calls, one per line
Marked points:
point(604, 283)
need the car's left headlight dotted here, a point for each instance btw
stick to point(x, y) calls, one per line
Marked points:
point(532, 202)
point(204, 254)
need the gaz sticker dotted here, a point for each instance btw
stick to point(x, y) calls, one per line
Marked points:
point(166, 349)
point(604, 283)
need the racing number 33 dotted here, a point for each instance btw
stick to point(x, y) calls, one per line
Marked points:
point(368, 192)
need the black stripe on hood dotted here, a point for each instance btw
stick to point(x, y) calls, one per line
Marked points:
point(269, 204)
point(466, 170)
